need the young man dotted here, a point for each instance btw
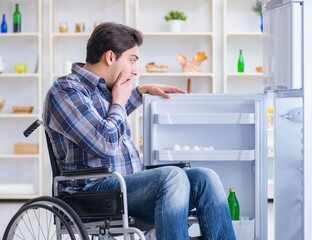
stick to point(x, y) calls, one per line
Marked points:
point(85, 116)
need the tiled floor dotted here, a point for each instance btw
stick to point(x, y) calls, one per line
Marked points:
point(8, 209)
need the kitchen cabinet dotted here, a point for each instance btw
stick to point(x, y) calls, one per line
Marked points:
point(21, 169)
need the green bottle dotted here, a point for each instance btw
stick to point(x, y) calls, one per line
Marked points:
point(233, 204)
point(17, 19)
point(240, 62)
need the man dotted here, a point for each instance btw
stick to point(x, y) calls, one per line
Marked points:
point(85, 116)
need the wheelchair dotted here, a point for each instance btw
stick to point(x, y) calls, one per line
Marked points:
point(99, 215)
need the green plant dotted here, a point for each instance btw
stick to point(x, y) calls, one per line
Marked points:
point(257, 7)
point(175, 15)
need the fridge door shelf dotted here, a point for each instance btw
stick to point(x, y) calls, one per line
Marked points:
point(213, 155)
point(244, 229)
point(204, 118)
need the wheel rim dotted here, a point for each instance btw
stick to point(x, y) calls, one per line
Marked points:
point(37, 221)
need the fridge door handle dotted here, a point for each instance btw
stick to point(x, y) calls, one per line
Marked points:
point(295, 115)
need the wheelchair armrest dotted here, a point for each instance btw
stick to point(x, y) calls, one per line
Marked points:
point(180, 164)
point(88, 171)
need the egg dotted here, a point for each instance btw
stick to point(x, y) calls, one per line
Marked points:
point(196, 148)
point(186, 148)
point(176, 147)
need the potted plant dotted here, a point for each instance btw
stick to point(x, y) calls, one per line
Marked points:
point(257, 8)
point(175, 18)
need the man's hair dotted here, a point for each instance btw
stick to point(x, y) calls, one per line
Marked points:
point(111, 36)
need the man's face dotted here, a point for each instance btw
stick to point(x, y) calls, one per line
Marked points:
point(126, 63)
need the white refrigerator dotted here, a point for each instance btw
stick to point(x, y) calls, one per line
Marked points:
point(228, 132)
point(288, 76)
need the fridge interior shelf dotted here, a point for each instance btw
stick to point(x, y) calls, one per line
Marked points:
point(204, 118)
point(213, 155)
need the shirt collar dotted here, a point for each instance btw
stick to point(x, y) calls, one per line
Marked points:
point(89, 78)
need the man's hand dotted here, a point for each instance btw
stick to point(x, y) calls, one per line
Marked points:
point(160, 90)
point(121, 90)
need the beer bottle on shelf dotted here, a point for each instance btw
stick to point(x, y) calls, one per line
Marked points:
point(240, 62)
point(233, 205)
point(17, 19)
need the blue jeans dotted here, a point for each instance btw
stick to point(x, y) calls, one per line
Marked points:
point(165, 195)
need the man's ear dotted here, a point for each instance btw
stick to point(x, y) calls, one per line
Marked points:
point(109, 57)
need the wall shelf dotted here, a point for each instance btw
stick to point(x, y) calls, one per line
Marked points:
point(22, 76)
point(21, 35)
point(181, 34)
point(18, 156)
point(17, 115)
point(177, 74)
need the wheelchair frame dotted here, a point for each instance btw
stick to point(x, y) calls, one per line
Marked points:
point(68, 224)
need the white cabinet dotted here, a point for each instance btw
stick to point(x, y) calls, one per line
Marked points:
point(70, 46)
point(242, 31)
point(21, 169)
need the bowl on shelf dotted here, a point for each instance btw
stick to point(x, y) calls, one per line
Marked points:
point(153, 68)
point(2, 104)
point(26, 148)
point(22, 109)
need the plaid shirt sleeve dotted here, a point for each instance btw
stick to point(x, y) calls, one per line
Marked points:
point(76, 119)
point(134, 101)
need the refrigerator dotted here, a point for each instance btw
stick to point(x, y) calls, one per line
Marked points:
point(228, 132)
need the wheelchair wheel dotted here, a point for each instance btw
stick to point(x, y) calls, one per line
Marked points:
point(45, 218)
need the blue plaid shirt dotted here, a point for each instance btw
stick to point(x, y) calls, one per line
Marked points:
point(85, 129)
